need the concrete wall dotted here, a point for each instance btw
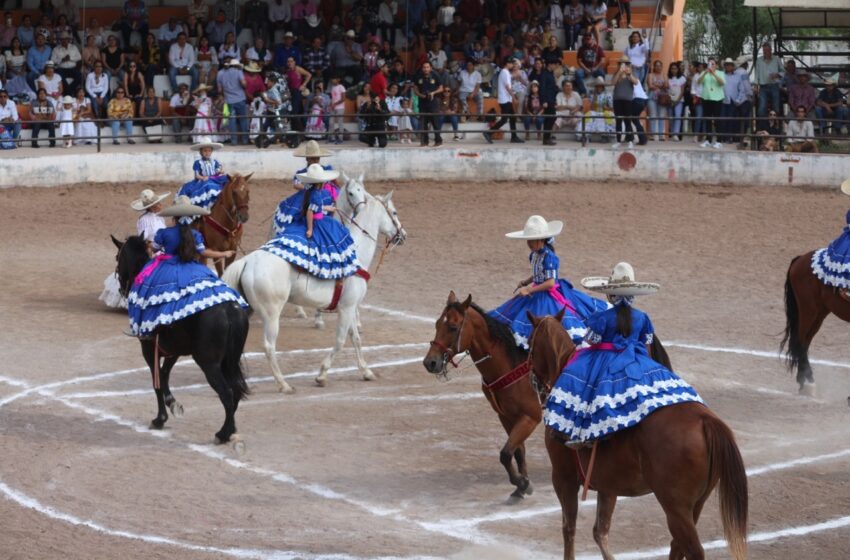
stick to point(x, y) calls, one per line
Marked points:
point(527, 163)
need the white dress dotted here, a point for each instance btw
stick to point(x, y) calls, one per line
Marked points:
point(204, 129)
point(147, 226)
point(66, 128)
point(84, 128)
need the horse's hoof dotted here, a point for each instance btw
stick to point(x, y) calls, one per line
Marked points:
point(529, 490)
point(321, 381)
point(157, 424)
point(369, 376)
point(176, 409)
point(516, 497)
point(238, 444)
point(286, 389)
point(808, 389)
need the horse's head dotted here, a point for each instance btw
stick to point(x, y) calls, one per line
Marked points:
point(451, 338)
point(354, 199)
point(353, 196)
point(549, 346)
point(132, 256)
point(237, 197)
point(390, 224)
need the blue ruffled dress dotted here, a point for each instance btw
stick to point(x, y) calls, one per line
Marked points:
point(578, 306)
point(168, 290)
point(205, 193)
point(329, 254)
point(832, 264)
point(612, 384)
point(290, 207)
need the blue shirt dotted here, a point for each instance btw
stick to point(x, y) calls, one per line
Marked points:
point(207, 167)
point(319, 198)
point(169, 239)
point(27, 37)
point(602, 327)
point(230, 81)
point(544, 265)
point(36, 59)
point(282, 52)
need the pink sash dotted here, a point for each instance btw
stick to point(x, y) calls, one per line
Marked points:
point(604, 346)
point(148, 270)
point(556, 294)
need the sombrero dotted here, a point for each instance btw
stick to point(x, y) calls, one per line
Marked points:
point(206, 143)
point(147, 199)
point(183, 207)
point(536, 227)
point(845, 186)
point(202, 87)
point(253, 68)
point(620, 283)
point(317, 174)
point(311, 149)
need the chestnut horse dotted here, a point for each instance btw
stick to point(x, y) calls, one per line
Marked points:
point(808, 301)
point(679, 453)
point(222, 229)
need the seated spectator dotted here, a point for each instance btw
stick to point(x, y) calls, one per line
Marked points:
point(9, 114)
point(802, 93)
point(26, 33)
point(301, 10)
point(8, 31)
point(387, 14)
point(85, 130)
point(532, 31)
point(831, 109)
point(255, 16)
point(62, 28)
point(316, 60)
point(150, 60)
point(70, 11)
point(228, 50)
point(445, 14)
point(280, 15)
point(51, 82)
point(90, 54)
point(313, 30)
point(195, 29)
point(379, 81)
point(591, 62)
point(259, 54)
point(800, 133)
point(45, 29)
point(19, 90)
point(599, 119)
point(97, 88)
point(43, 115)
point(95, 30)
point(181, 104)
point(16, 59)
point(113, 57)
point(370, 59)
point(768, 136)
point(230, 9)
point(168, 32)
point(387, 52)
point(596, 15)
point(149, 110)
point(393, 102)
point(120, 111)
point(183, 61)
point(552, 52)
point(37, 57)
point(207, 62)
point(218, 28)
point(568, 107)
point(449, 109)
point(533, 111)
point(134, 82)
point(135, 18)
point(470, 88)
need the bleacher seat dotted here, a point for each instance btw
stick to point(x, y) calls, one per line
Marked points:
point(161, 85)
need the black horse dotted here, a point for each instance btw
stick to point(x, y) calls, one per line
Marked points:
point(214, 337)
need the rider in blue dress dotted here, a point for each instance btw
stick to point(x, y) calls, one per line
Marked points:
point(290, 207)
point(543, 293)
point(314, 241)
point(832, 264)
point(614, 383)
point(174, 285)
point(209, 179)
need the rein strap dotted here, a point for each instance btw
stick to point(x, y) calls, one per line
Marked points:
point(510, 378)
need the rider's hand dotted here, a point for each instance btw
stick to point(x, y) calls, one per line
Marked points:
point(309, 233)
point(228, 254)
point(524, 291)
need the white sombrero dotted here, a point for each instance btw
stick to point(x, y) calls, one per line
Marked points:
point(206, 143)
point(311, 149)
point(183, 207)
point(620, 283)
point(147, 199)
point(845, 186)
point(317, 174)
point(536, 227)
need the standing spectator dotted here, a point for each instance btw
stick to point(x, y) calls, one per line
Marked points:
point(831, 109)
point(65, 116)
point(624, 91)
point(639, 102)
point(316, 60)
point(37, 57)
point(205, 128)
point(200, 9)
point(151, 59)
point(231, 85)
point(313, 29)
point(95, 29)
point(286, 50)
point(26, 33)
point(596, 15)
point(182, 59)
point(533, 110)
point(426, 87)
point(470, 87)
point(623, 6)
point(346, 57)
point(375, 114)
point(456, 34)
point(134, 82)
point(743, 103)
point(568, 106)
point(697, 124)
point(229, 49)
point(676, 83)
point(254, 83)
point(549, 97)
point(113, 57)
point(393, 102)
point(768, 72)
point(638, 52)
point(180, 104)
point(445, 14)
point(591, 62)
point(789, 78)
point(259, 53)
point(43, 114)
point(97, 88)
point(255, 14)
point(207, 62)
point(712, 99)
point(9, 115)
point(506, 98)
point(85, 130)
point(135, 19)
point(51, 82)
point(280, 15)
point(405, 122)
point(16, 59)
point(730, 92)
point(803, 94)
point(218, 28)
point(297, 78)
point(120, 111)
point(801, 132)
point(337, 108)
point(387, 13)
point(8, 31)
point(379, 81)
point(659, 100)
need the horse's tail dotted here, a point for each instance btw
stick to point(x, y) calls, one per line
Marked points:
point(232, 275)
point(725, 460)
point(659, 353)
point(232, 365)
point(791, 344)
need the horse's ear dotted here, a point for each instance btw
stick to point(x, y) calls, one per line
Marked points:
point(452, 298)
point(560, 315)
point(388, 196)
point(345, 177)
point(467, 301)
point(360, 179)
point(117, 243)
point(248, 176)
point(532, 319)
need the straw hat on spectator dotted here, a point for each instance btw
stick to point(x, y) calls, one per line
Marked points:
point(311, 149)
point(845, 187)
point(206, 143)
point(147, 199)
point(183, 207)
point(728, 61)
point(317, 174)
point(253, 68)
point(598, 81)
point(234, 63)
point(620, 283)
point(624, 60)
point(200, 88)
point(536, 227)
point(313, 20)
point(350, 34)
point(67, 100)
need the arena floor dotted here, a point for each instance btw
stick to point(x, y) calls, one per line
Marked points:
point(406, 466)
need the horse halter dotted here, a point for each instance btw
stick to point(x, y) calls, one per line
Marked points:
point(449, 353)
point(233, 211)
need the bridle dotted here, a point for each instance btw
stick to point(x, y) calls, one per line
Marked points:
point(392, 241)
point(449, 353)
point(233, 211)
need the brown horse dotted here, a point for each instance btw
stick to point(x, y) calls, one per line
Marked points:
point(808, 301)
point(222, 229)
point(679, 453)
point(464, 327)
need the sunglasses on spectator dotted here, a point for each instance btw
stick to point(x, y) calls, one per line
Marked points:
point(119, 91)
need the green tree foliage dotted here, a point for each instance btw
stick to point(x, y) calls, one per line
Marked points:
point(722, 28)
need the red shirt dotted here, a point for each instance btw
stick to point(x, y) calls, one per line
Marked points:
point(379, 85)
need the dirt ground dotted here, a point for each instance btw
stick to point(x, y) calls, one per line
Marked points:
point(406, 466)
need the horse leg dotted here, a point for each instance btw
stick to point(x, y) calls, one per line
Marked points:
point(215, 377)
point(342, 330)
point(148, 352)
point(164, 376)
point(810, 323)
point(358, 350)
point(565, 483)
point(685, 543)
point(522, 465)
point(270, 314)
point(604, 512)
point(517, 435)
point(300, 313)
point(319, 320)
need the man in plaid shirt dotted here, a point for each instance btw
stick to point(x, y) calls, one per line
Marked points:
point(316, 59)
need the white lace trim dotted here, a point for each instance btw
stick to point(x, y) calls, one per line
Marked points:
point(599, 429)
point(190, 309)
point(829, 264)
point(164, 297)
point(575, 332)
point(584, 408)
point(825, 274)
point(332, 257)
point(326, 272)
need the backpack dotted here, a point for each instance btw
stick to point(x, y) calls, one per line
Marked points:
point(7, 141)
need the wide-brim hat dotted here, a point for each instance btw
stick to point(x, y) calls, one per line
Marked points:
point(845, 187)
point(234, 63)
point(313, 20)
point(67, 100)
point(206, 144)
point(253, 68)
point(728, 61)
point(202, 87)
point(317, 174)
point(620, 283)
point(146, 199)
point(350, 34)
point(311, 149)
point(183, 207)
point(599, 81)
point(624, 60)
point(536, 227)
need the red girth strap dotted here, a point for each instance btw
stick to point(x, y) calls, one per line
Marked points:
point(220, 228)
point(364, 274)
point(510, 378)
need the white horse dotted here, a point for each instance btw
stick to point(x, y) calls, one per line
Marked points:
point(269, 282)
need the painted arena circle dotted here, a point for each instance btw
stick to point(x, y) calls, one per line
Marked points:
point(406, 466)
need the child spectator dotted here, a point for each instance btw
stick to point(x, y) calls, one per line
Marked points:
point(65, 117)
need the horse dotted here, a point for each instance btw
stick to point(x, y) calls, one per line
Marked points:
point(808, 301)
point(222, 228)
point(268, 282)
point(679, 453)
point(214, 337)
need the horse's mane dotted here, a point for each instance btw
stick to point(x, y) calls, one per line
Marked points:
point(499, 331)
point(136, 243)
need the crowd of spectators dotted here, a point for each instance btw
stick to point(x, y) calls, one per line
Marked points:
point(458, 53)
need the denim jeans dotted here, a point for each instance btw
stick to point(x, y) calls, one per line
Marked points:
point(769, 92)
point(172, 77)
point(676, 123)
point(116, 126)
point(479, 101)
point(841, 113)
point(14, 128)
point(697, 124)
point(528, 121)
point(238, 122)
point(581, 75)
point(454, 120)
point(656, 115)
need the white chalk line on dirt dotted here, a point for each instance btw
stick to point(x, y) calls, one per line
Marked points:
point(28, 502)
point(14, 382)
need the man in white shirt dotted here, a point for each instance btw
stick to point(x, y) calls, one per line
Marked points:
point(9, 114)
point(801, 133)
point(280, 14)
point(179, 103)
point(182, 59)
point(506, 97)
point(67, 59)
point(259, 53)
point(168, 33)
point(470, 86)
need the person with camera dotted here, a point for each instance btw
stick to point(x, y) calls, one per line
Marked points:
point(427, 86)
point(375, 113)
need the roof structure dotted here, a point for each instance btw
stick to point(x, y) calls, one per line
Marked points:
point(800, 4)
